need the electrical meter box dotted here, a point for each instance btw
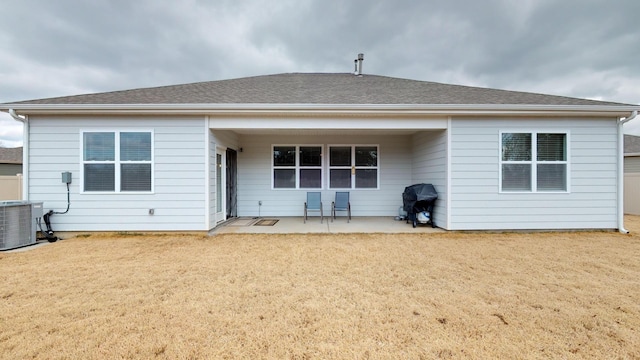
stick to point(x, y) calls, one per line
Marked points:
point(37, 210)
point(66, 177)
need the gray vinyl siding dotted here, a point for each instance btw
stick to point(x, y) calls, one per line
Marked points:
point(255, 172)
point(429, 149)
point(178, 197)
point(477, 204)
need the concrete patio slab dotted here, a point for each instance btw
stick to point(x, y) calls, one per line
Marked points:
point(293, 225)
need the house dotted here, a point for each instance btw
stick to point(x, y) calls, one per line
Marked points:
point(187, 157)
point(632, 174)
point(10, 161)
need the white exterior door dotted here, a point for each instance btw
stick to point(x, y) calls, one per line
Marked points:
point(220, 185)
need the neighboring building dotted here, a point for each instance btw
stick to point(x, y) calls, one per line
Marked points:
point(187, 157)
point(631, 154)
point(10, 161)
point(632, 174)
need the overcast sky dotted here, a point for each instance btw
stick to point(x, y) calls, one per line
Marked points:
point(579, 48)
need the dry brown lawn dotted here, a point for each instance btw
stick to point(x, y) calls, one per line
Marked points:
point(434, 296)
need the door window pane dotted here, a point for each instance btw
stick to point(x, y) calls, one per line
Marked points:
point(218, 182)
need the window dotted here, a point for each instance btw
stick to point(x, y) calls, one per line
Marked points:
point(297, 167)
point(534, 162)
point(115, 161)
point(353, 167)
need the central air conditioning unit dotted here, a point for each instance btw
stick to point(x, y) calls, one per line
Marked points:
point(18, 223)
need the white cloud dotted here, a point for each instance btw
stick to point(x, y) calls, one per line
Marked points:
point(10, 131)
point(632, 127)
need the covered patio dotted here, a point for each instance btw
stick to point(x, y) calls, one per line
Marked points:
point(296, 225)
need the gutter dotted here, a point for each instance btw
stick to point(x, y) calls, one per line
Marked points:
point(621, 122)
point(326, 109)
point(25, 152)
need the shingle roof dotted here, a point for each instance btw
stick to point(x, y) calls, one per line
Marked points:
point(631, 144)
point(317, 88)
point(11, 155)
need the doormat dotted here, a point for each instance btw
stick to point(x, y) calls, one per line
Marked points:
point(242, 222)
point(266, 222)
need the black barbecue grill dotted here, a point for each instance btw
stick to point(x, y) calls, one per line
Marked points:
point(418, 201)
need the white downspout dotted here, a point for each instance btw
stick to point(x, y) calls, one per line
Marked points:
point(25, 152)
point(621, 122)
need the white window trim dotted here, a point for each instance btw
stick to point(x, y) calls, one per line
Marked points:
point(298, 167)
point(353, 166)
point(534, 162)
point(117, 161)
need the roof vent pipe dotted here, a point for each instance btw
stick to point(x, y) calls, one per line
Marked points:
point(358, 64)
